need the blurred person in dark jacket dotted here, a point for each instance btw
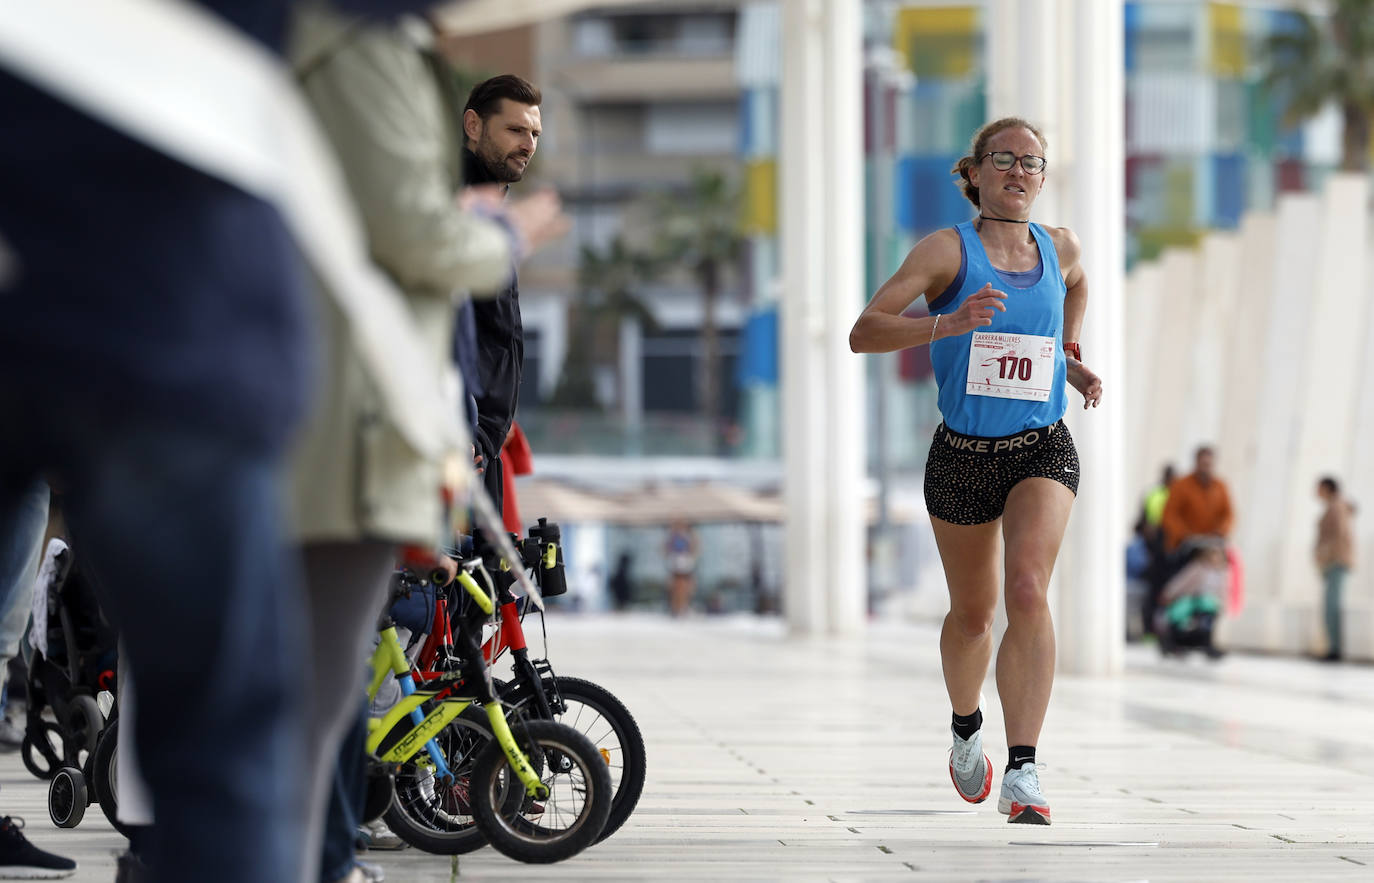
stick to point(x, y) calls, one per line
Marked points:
point(153, 358)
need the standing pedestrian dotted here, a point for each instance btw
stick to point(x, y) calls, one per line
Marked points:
point(1198, 505)
point(1006, 300)
point(680, 550)
point(360, 491)
point(1335, 554)
point(501, 128)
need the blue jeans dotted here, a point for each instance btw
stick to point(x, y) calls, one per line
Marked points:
point(1333, 578)
point(23, 519)
point(182, 531)
point(347, 792)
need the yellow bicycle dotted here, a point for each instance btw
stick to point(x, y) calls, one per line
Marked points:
point(538, 791)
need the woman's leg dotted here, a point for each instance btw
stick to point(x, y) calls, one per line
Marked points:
point(346, 792)
point(346, 584)
point(1033, 524)
point(970, 557)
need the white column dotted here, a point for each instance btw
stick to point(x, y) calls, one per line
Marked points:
point(1024, 80)
point(842, 296)
point(1091, 614)
point(823, 404)
point(1044, 58)
point(803, 376)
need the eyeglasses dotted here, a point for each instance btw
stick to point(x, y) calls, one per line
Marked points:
point(1003, 160)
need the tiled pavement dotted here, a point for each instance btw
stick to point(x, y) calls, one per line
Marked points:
point(776, 759)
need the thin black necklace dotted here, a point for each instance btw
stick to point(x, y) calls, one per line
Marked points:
point(983, 217)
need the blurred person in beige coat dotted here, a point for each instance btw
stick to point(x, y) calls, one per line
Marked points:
point(360, 489)
point(1335, 555)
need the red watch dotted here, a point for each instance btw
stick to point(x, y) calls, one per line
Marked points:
point(1073, 350)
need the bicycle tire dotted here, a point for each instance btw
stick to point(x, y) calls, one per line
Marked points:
point(430, 815)
point(526, 835)
point(615, 734)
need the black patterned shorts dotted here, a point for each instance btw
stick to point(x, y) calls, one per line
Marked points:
point(968, 478)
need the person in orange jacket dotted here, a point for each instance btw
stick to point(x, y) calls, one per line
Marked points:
point(1199, 503)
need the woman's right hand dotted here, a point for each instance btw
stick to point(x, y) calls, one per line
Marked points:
point(975, 312)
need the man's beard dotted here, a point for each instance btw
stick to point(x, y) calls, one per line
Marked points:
point(499, 167)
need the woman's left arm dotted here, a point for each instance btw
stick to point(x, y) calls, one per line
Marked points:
point(1075, 305)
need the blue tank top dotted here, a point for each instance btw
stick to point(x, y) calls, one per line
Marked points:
point(1037, 309)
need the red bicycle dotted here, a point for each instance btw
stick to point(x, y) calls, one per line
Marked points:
point(534, 690)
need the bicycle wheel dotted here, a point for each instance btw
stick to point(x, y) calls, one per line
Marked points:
point(436, 815)
point(558, 826)
point(596, 713)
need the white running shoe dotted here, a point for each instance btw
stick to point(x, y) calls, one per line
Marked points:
point(1021, 800)
point(969, 768)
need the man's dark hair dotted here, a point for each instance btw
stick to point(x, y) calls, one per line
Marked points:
point(1204, 449)
point(1330, 485)
point(485, 97)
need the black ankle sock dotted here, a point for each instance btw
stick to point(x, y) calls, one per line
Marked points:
point(1020, 755)
point(966, 725)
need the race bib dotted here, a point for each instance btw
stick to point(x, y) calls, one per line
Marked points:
point(1011, 366)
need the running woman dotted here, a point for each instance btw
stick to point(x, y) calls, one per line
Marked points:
point(1006, 300)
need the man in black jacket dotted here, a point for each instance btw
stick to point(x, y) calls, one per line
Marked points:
point(501, 129)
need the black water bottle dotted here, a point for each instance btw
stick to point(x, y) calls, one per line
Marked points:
point(552, 580)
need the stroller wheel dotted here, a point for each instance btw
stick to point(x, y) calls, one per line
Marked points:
point(40, 748)
point(105, 776)
point(67, 797)
point(84, 722)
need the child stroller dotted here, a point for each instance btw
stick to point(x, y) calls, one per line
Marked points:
point(1193, 600)
point(73, 654)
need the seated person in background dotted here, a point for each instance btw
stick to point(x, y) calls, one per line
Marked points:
point(1192, 601)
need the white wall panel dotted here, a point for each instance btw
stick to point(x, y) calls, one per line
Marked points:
point(1260, 527)
point(1173, 356)
point(1210, 313)
point(1142, 347)
point(1276, 379)
point(1359, 589)
point(1248, 325)
point(1329, 372)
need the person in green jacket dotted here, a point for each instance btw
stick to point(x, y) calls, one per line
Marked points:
point(361, 490)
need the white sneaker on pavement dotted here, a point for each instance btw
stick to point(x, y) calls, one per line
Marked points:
point(1021, 800)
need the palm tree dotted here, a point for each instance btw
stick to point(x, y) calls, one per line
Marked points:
point(607, 283)
point(1317, 63)
point(700, 229)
